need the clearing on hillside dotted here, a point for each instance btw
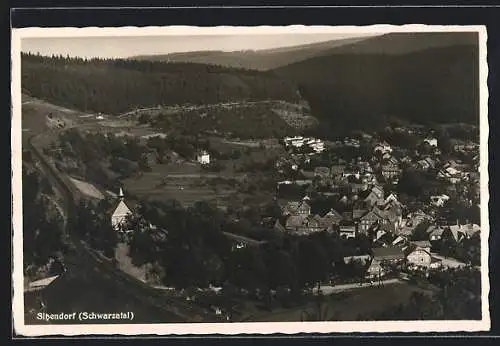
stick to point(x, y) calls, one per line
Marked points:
point(87, 189)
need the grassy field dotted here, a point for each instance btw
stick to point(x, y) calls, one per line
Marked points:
point(183, 182)
point(347, 306)
point(188, 182)
point(87, 189)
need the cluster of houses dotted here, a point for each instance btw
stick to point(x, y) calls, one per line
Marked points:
point(368, 213)
point(403, 253)
point(298, 142)
point(413, 255)
point(364, 207)
point(383, 220)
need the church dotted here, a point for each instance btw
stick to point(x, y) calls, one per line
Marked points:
point(120, 213)
point(122, 210)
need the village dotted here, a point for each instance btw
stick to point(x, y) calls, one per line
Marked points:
point(394, 211)
point(364, 199)
point(321, 190)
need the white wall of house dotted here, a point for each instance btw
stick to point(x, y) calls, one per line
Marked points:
point(420, 258)
point(120, 214)
point(203, 158)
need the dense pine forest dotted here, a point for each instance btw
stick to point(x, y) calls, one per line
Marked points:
point(361, 91)
point(113, 86)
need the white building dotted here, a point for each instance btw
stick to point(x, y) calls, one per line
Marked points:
point(203, 158)
point(383, 148)
point(298, 142)
point(119, 215)
point(317, 145)
point(433, 142)
point(440, 200)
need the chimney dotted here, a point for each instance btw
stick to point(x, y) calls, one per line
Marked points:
point(120, 194)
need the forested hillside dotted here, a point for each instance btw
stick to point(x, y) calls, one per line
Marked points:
point(115, 86)
point(43, 239)
point(360, 90)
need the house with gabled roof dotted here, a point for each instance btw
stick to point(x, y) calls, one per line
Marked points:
point(302, 224)
point(392, 199)
point(435, 232)
point(375, 196)
point(297, 208)
point(393, 213)
point(347, 229)
point(334, 215)
point(471, 229)
point(367, 220)
point(329, 221)
point(419, 256)
point(293, 222)
point(459, 232)
point(383, 256)
point(359, 210)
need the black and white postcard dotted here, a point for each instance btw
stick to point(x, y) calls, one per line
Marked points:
point(250, 180)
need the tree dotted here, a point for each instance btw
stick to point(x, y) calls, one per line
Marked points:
point(281, 268)
point(420, 232)
point(143, 164)
point(312, 262)
point(444, 141)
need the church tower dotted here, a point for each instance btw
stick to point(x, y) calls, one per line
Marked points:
point(121, 212)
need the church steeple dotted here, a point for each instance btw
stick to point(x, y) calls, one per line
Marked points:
point(120, 194)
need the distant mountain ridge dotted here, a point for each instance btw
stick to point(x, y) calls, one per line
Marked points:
point(266, 59)
point(405, 42)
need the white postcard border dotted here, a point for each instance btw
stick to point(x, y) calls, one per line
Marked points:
point(238, 328)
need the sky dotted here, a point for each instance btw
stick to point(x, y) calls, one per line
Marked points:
point(124, 47)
